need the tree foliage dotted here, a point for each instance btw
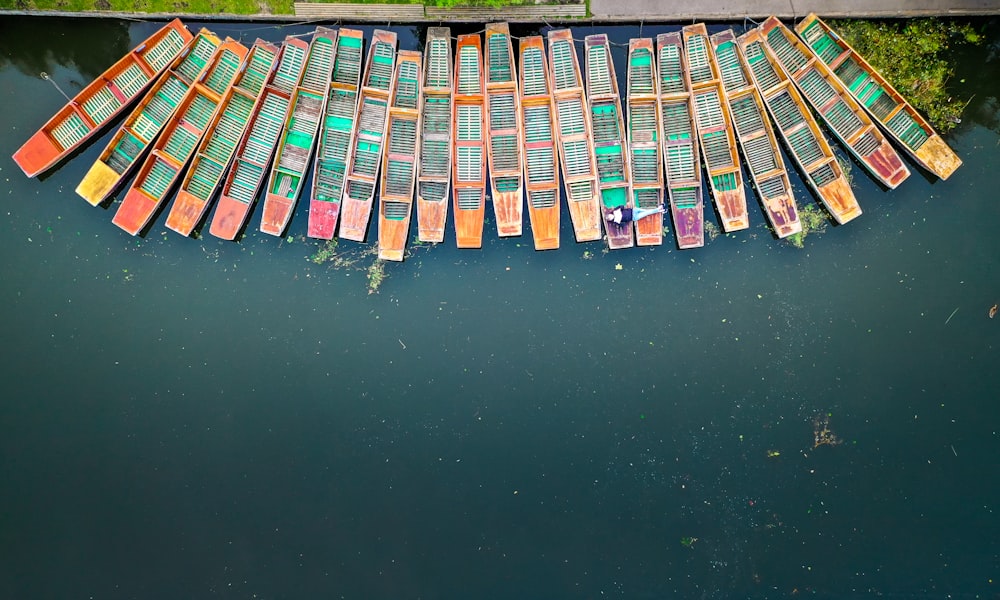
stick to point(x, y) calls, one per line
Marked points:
point(916, 56)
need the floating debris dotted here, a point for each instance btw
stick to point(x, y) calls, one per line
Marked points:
point(822, 434)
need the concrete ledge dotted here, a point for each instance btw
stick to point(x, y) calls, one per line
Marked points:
point(366, 12)
point(509, 13)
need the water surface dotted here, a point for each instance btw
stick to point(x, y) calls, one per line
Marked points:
point(194, 418)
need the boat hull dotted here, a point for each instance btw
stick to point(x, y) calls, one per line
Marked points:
point(507, 210)
point(229, 218)
point(186, 213)
point(277, 213)
point(42, 150)
point(431, 218)
point(689, 226)
point(649, 230)
point(135, 212)
point(323, 217)
point(392, 238)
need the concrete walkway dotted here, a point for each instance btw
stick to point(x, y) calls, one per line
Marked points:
point(728, 10)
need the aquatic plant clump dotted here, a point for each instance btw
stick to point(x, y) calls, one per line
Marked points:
point(813, 219)
point(915, 56)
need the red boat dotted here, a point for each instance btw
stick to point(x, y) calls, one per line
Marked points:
point(103, 100)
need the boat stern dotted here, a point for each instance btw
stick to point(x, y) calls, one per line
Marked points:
point(938, 157)
point(37, 154)
point(356, 214)
point(431, 216)
point(507, 208)
point(99, 182)
point(185, 213)
point(135, 211)
point(229, 217)
point(277, 213)
point(649, 230)
point(323, 217)
point(839, 199)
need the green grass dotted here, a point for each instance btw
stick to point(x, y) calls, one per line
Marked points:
point(916, 56)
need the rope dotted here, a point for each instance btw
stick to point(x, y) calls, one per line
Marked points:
point(46, 77)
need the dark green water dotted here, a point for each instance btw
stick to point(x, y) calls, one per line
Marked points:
point(192, 418)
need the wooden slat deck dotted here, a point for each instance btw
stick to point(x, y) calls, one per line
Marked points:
point(680, 147)
point(435, 154)
point(882, 101)
point(330, 168)
point(715, 131)
point(838, 109)
point(756, 136)
point(796, 125)
point(644, 130)
point(576, 144)
point(368, 138)
point(144, 124)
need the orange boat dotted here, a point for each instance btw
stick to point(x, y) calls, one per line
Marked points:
point(760, 146)
point(680, 146)
point(217, 146)
point(470, 143)
point(298, 137)
point(897, 116)
point(399, 161)
point(645, 125)
point(607, 125)
point(541, 155)
point(103, 100)
point(368, 140)
point(715, 130)
point(834, 104)
point(576, 144)
point(256, 148)
point(182, 134)
point(807, 145)
point(147, 120)
point(434, 166)
point(335, 136)
point(505, 139)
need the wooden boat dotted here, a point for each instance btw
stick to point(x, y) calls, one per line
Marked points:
point(102, 100)
point(505, 140)
point(838, 109)
point(470, 143)
point(217, 146)
point(335, 136)
point(434, 166)
point(715, 130)
point(681, 164)
point(399, 161)
point(541, 156)
point(805, 142)
point(887, 106)
point(369, 135)
point(576, 145)
point(256, 148)
point(760, 147)
point(181, 135)
point(644, 127)
point(298, 136)
point(144, 123)
point(610, 151)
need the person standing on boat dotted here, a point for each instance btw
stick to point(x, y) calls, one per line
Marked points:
point(622, 214)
